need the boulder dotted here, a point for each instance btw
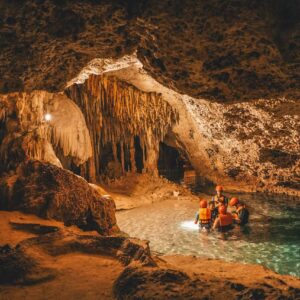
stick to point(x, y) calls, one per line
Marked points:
point(167, 283)
point(51, 192)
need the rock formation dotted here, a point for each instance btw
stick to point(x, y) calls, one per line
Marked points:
point(168, 283)
point(116, 266)
point(93, 88)
point(125, 113)
point(221, 50)
point(181, 58)
point(122, 121)
point(52, 192)
point(23, 123)
point(250, 146)
point(17, 267)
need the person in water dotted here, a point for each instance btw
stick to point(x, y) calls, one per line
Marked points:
point(217, 200)
point(203, 215)
point(241, 214)
point(224, 220)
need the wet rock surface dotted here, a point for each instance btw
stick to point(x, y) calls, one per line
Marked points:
point(52, 192)
point(219, 50)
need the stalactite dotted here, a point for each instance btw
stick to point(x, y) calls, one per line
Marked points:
point(116, 111)
point(132, 158)
point(122, 156)
point(66, 129)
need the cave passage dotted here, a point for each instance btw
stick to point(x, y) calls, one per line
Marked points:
point(138, 155)
point(125, 158)
point(172, 164)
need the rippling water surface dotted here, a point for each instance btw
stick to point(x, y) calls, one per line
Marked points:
point(271, 239)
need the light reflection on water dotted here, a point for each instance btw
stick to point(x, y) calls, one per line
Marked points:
point(271, 239)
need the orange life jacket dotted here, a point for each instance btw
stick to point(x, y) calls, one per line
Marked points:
point(225, 220)
point(204, 215)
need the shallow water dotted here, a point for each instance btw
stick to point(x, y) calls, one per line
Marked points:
point(272, 238)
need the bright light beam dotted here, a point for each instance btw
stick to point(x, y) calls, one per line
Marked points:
point(189, 225)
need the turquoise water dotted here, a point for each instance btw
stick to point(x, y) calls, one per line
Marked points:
point(272, 238)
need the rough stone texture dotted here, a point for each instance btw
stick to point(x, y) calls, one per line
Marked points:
point(228, 51)
point(250, 146)
point(253, 146)
point(163, 283)
point(52, 192)
point(221, 50)
point(135, 250)
point(126, 250)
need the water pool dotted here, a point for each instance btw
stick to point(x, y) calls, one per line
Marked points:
point(272, 238)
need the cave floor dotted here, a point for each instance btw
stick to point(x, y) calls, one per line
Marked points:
point(77, 275)
point(135, 190)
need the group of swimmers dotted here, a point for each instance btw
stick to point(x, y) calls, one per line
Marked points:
point(214, 214)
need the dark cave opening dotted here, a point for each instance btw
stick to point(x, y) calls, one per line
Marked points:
point(127, 158)
point(127, 162)
point(138, 155)
point(171, 163)
point(109, 167)
point(2, 130)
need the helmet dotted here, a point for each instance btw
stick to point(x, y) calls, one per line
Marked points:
point(203, 203)
point(219, 188)
point(222, 210)
point(234, 201)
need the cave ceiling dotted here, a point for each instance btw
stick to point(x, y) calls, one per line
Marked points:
point(216, 50)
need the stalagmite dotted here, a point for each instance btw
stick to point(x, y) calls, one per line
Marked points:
point(116, 112)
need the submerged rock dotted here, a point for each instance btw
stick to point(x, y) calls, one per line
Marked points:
point(51, 192)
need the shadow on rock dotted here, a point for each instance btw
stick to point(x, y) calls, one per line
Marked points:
point(19, 268)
